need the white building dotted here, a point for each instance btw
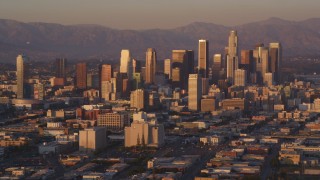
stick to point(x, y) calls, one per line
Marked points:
point(142, 132)
point(125, 63)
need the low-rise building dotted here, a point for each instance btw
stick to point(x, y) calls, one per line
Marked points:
point(211, 140)
point(114, 120)
point(235, 103)
point(11, 140)
point(56, 147)
point(289, 157)
point(92, 139)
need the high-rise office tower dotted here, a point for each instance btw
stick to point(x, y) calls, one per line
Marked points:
point(182, 62)
point(126, 87)
point(151, 64)
point(21, 76)
point(136, 65)
point(224, 60)
point(136, 81)
point(194, 92)
point(106, 90)
point(204, 86)
point(81, 79)
point(106, 72)
point(190, 61)
point(232, 56)
point(275, 53)
point(60, 68)
point(179, 68)
point(246, 57)
point(138, 99)
point(261, 60)
point(143, 73)
point(124, 60)
point(125, 63)
point(89, 80)
point(216, 67)
point(247, 62)
point(203, 58)
point(95, 78)
point(176, 77)
point(268, 79)
point(240, 78)
point(167, 68)
point(116, 87)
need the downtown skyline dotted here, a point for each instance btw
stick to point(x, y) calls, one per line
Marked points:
point(44, 41)
point(175, 97)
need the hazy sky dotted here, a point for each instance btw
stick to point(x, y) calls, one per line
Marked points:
point(145, 14)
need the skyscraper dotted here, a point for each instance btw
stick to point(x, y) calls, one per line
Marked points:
point(143, 73)
point(81, 79)
point(216, 67)
point(204, 86)
point(21, 76)
point(240, 78)
point(194, 92)
point(190, 62)
point(106, 72)
point(261, 60)
point(136, 81)
point(176, 77)
point(275, 52)
point(138, 99)
point(136, 66)
point(151, 64)
point(106, 90)
point(203, 58)
point(246, 57)
point(60, 68)
point(182, 63)
point(232, 55)
point(89, 80)
point(124, 60)
point(247, 62)
point(125, 63)
point(167, 68)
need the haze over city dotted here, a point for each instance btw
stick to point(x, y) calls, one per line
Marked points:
point(146, 14)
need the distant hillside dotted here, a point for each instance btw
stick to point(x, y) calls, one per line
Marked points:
point(44, 41)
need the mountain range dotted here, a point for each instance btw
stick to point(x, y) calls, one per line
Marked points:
point(47, 41)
